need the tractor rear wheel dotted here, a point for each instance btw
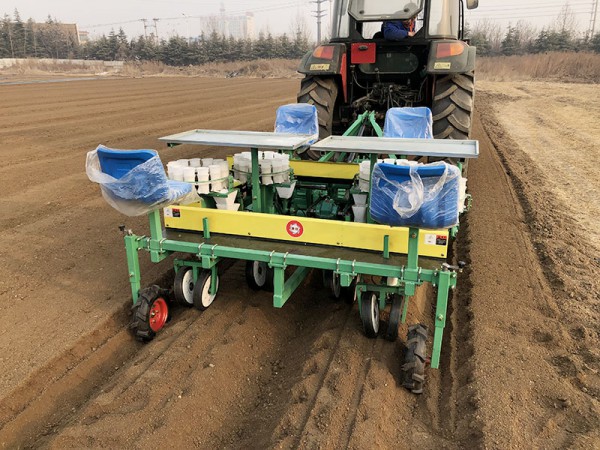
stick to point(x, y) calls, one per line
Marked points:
point(452, 107)
point(321, 92)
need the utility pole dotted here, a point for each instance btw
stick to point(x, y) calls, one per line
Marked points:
point(145, 27)
point(592, 27)
point(319, 14)
point(155, 30)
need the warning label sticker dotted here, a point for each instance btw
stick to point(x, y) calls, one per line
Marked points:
point(435, 239)
point(168, 212)
point(320, 66)
point(430, 239)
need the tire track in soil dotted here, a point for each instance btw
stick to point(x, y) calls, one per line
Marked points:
point(40, 408)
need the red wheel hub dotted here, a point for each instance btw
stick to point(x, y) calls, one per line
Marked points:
point(159, 311)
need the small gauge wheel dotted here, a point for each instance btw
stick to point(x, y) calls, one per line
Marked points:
point(183, 286)
point(331, 280)
point(394, 320)
point(202, 297)
point(259, 275)
point(369, 314)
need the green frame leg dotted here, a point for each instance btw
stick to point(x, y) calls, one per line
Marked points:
point(446, 281)
point(133, 265)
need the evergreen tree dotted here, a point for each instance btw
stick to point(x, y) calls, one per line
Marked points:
point(595, 43)
point(19, 37)
point(510, 44)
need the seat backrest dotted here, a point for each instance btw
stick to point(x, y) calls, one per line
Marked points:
point(117, 163)
point(413, 123)
point(297, 118)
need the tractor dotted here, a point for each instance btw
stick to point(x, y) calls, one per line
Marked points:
point(359, 70)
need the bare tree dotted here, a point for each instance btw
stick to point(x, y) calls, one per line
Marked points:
point(527, 35)
point(565, 22)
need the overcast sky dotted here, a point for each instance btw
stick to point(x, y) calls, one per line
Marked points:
point(277, 16)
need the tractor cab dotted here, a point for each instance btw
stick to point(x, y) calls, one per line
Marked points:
point(360, 70)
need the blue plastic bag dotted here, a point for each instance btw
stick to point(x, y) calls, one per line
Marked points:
point(298, 118)
point(417, 195)
point(141, 189)
point(413, 123)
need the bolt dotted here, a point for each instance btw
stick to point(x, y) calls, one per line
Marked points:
point(440, 317)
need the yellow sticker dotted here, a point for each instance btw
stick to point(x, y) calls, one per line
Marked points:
point(442, 65)
point(319, 66)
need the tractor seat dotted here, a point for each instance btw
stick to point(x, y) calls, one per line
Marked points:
point(298, 118)
point(413, 123)
point(133, 181)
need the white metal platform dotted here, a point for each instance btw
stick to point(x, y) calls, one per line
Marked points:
point(442, 148)
point(247, 139)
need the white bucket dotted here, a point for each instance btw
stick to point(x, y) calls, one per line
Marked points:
point(203, 175)
point(266, 169)
point(176, 173)
point(189, 174)
point(215, 174)
point(277, 168)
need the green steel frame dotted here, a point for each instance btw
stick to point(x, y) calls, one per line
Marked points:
point(208, 255)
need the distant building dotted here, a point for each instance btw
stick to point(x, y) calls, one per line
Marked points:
point(67, 29)
point(84, 37)
point(239, 27)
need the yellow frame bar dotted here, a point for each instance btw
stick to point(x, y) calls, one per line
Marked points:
point(334, 233)
point(315, 169)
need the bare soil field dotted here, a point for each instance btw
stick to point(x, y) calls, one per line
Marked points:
point(520, 359)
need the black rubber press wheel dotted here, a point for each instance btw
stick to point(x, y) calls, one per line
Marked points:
point(331, 280)
point(394, 320)
point(259, 275)
point(369, 313)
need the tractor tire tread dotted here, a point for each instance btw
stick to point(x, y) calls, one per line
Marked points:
point(452, 108)
point(322, 93)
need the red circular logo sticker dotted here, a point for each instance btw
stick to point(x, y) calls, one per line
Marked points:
point(294, 228)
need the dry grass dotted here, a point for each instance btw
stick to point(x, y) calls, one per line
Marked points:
point(565, 67)
point(261, 68)
point(34, 66)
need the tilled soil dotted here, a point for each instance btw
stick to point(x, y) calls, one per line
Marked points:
point(516, 370)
